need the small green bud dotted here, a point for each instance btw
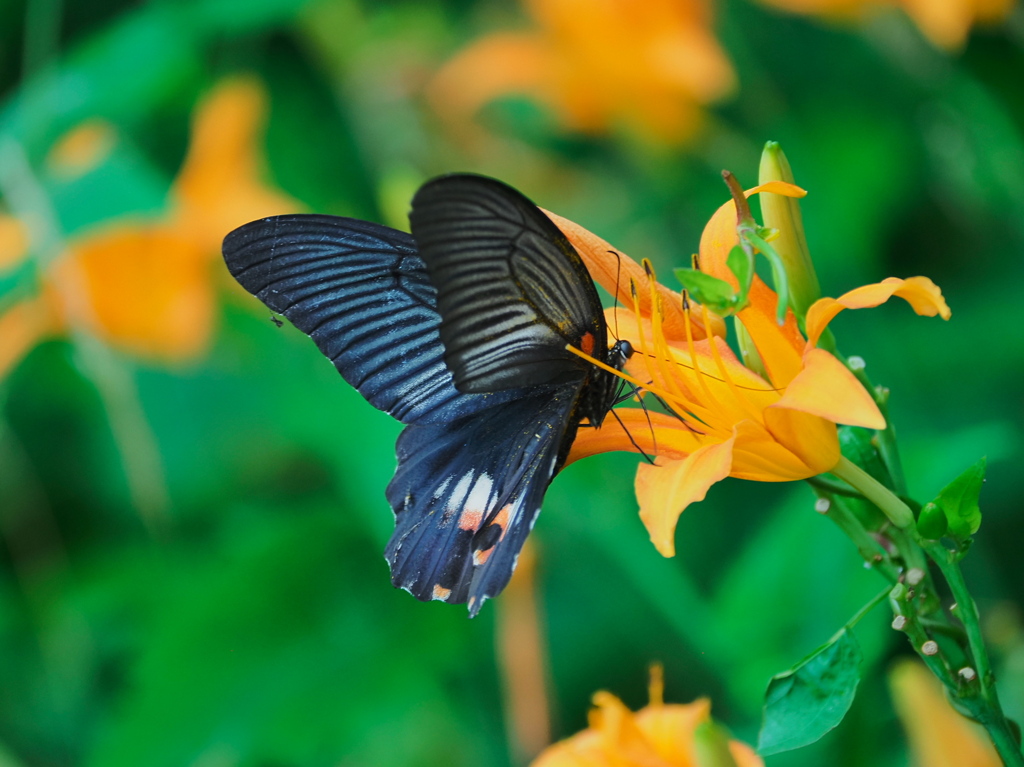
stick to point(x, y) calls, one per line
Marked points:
point(748, 351)
point(783, 214)
point(932, 522)
point(711, 744)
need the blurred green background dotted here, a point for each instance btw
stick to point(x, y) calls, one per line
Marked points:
point(191, 500)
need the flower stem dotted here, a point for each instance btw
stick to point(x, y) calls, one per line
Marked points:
point(988, 710)
point(979, 698)
point(871, 551)
point(896, 510)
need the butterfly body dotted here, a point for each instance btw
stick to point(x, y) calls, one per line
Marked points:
point(458, 331)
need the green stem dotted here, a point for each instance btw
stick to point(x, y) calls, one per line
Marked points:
point(984, 707)
point(991, 713)
point(886, 442)
point(867, 608)
point(899, 600)
point(871, 551)
point(896, 510)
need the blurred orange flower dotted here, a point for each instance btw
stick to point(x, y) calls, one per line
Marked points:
point(13, 242)
point(658, 735)
point(598, 64)
point(147, 286)
point(945, 22)
point(723, 418)
point(938, 735)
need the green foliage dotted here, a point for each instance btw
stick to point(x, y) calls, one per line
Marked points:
point(718, 295)
point(958, 504)
point(248, 619)
point(811, 699)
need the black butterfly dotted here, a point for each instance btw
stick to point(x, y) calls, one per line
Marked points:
point(460, 332)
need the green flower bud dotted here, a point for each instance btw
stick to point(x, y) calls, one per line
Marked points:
point(711, 746)
point(783, 214)
point(748, 351)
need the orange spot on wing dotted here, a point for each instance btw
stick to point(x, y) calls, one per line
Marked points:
point(587, 343)
point(470, 519)
point(440, 592)
point(501, 519)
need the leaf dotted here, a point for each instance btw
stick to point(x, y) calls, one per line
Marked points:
point(742, 266)
point(718, 295)
point(959, 501)
point(805, 702)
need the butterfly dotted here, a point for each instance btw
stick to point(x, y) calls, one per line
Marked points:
point(458, 331)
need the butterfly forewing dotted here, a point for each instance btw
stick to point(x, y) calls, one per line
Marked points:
point(361, 292)
point(512, 292)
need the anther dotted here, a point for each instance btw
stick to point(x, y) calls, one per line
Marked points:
point(931, 647)
point(968, 674)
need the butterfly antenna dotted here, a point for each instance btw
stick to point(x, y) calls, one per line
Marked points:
point(615, 297)
point(632, 390)
point(633, 441)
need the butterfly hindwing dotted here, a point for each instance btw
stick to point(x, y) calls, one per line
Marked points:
point(512, 291)
point(466, 494)
point(361, 292)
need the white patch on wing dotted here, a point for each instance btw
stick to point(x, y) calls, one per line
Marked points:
point(442, 487)
point(480, 494)
point(455, 500)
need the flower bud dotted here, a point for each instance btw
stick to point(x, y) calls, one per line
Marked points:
point(783, 214)
point(711, 746)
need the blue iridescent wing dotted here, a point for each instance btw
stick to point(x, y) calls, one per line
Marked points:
point(361, 292)
point(512, 291)
point(466, 494)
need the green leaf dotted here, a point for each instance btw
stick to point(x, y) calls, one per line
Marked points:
point(718, 295)
point(805, 702)
point(743, 267)
point(959, 501)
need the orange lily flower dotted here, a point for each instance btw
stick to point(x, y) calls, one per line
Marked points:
point(649, 65)
point(945, 23)
point(658, 735)
point(723, 418)
point(148, 286)
point(13, 242)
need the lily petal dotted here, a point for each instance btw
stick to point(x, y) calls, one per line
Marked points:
point(921, 293)
point(663, 724)
point(613, 270)
point(825, 387)
point(633, 429)
point(14, 242)
point(719, 234)
point(495, 65)
point(812, 438)
point(761, 456)
point(665, 490)
point(22, 326)
point(779, 347)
